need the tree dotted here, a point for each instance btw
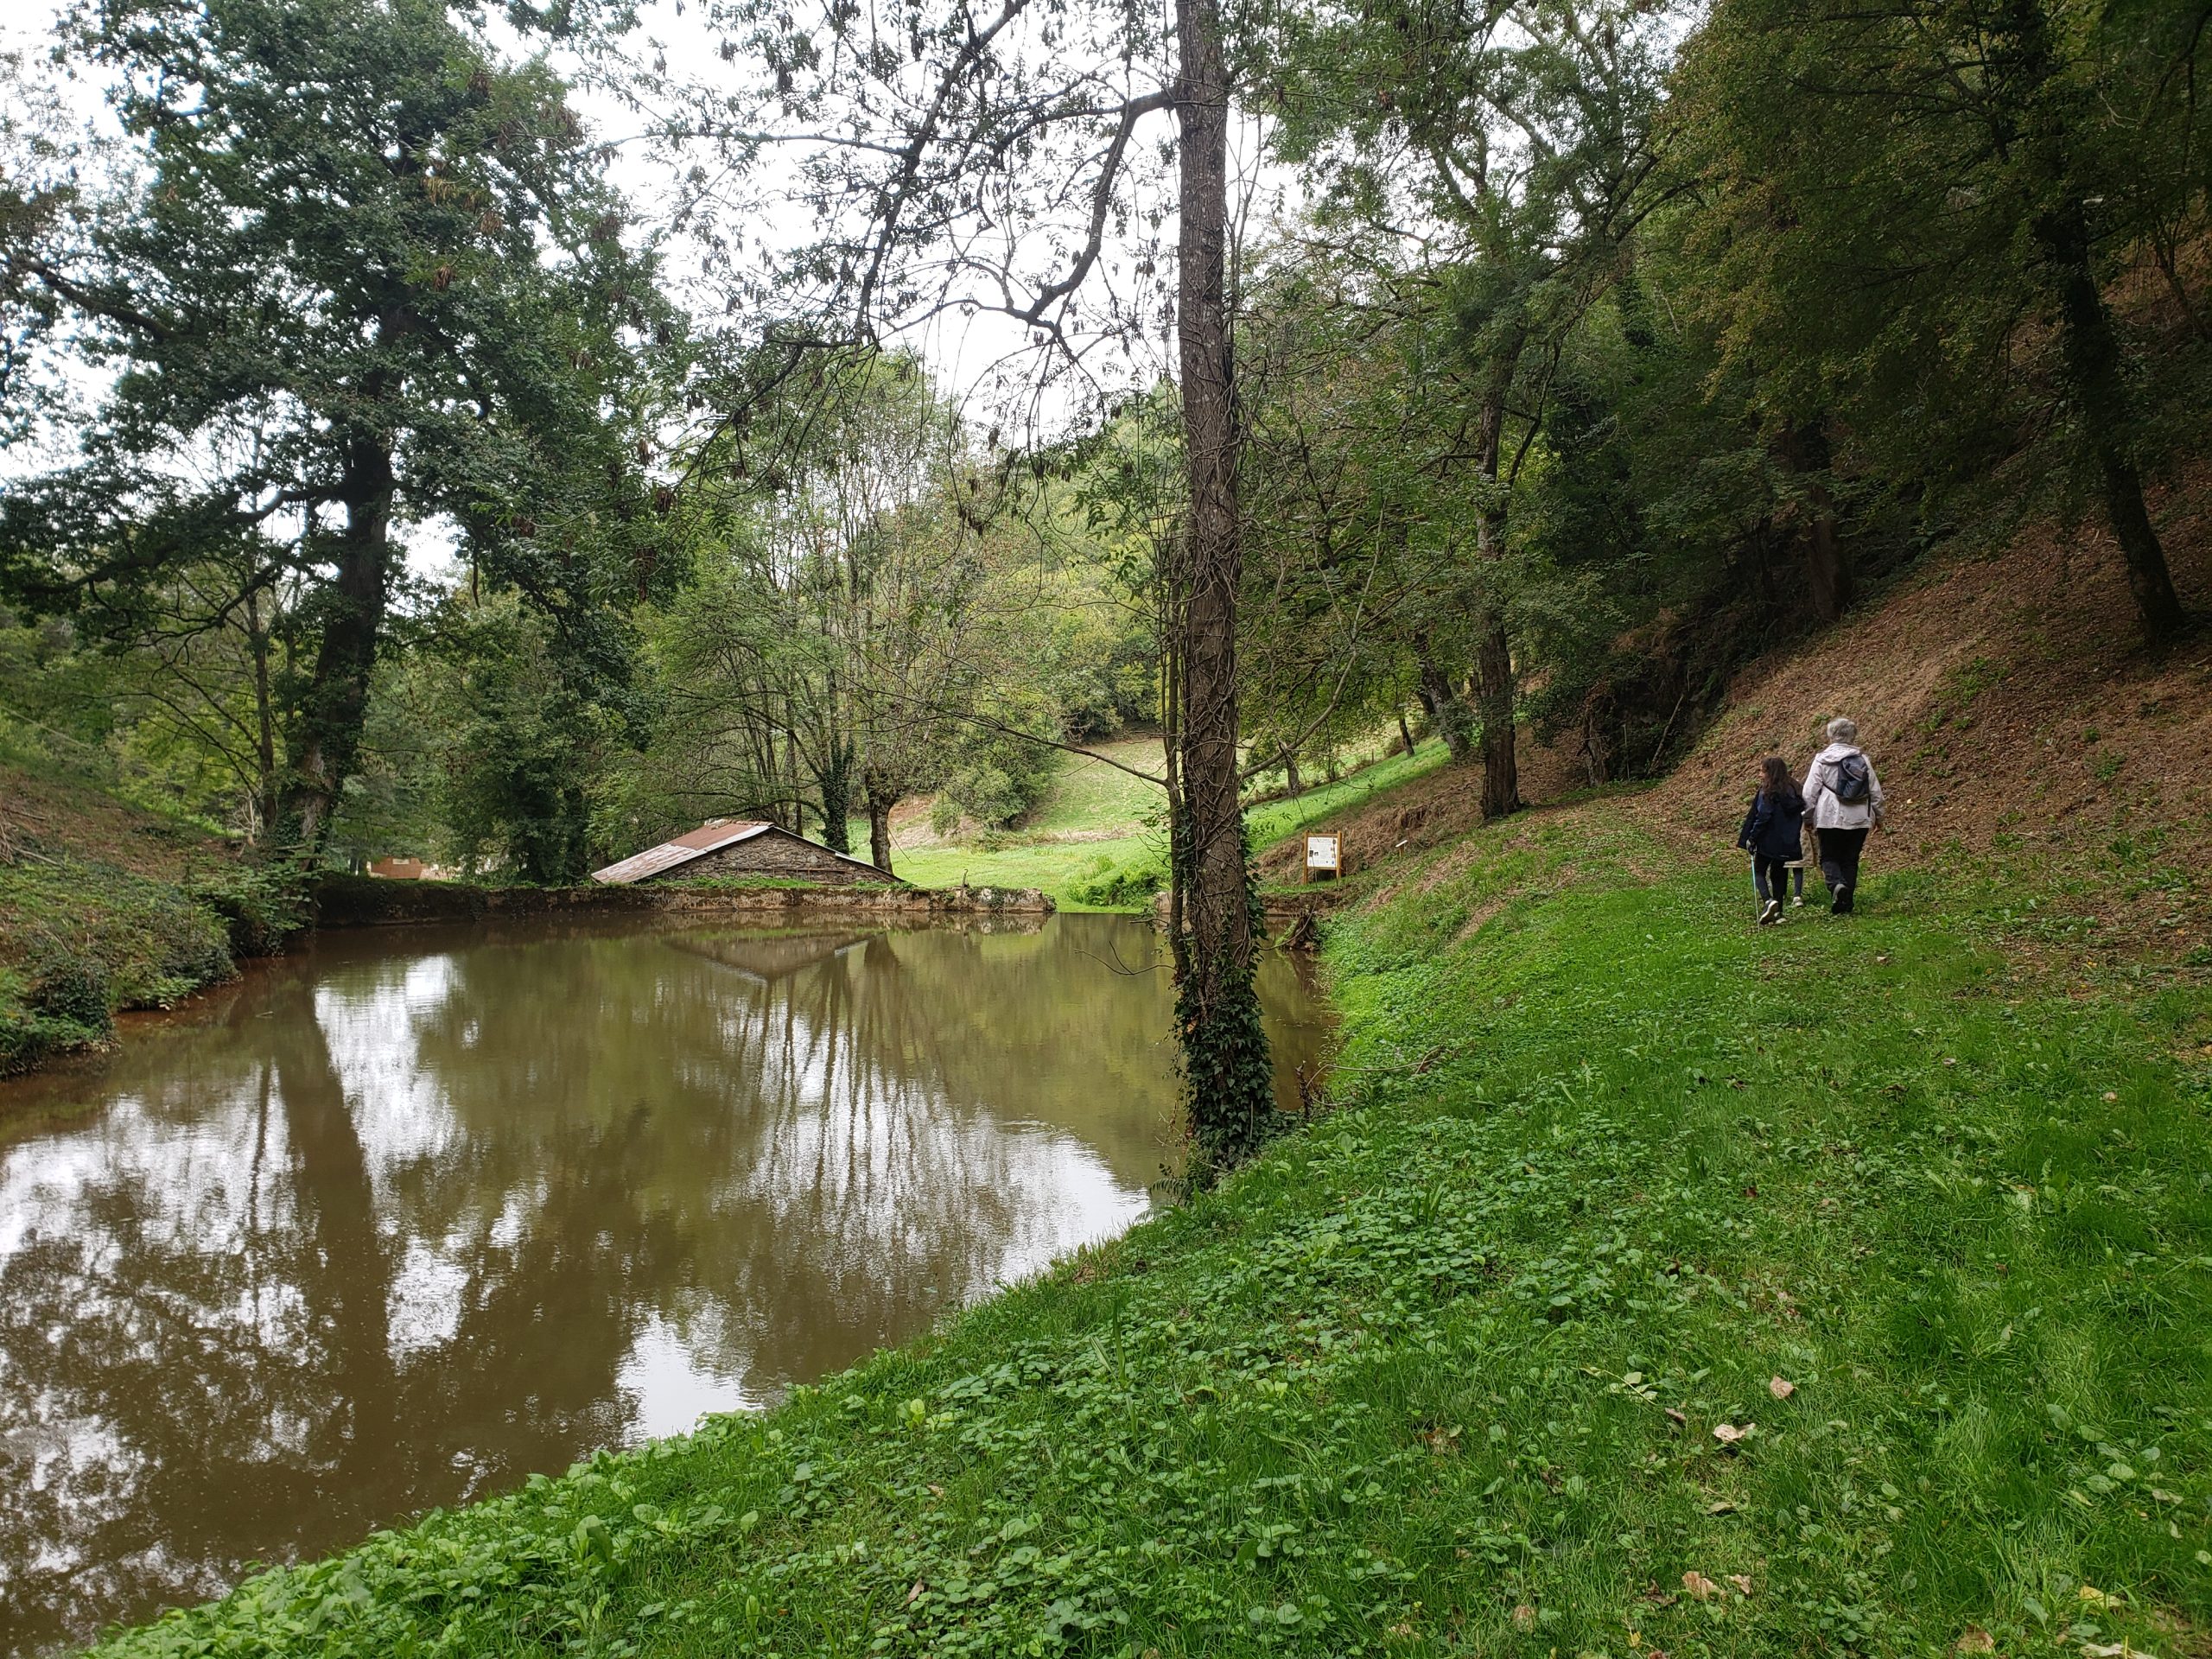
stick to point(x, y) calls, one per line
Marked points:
point(1356, 399)
point(852, 613)
point(352, 273)
point(969, 163)
point(1918, 213)
point(191, 696)
point(1520, 138)
point(878, 611)
point(519, 743)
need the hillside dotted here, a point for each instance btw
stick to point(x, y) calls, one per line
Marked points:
point(2021, 732)
point(1093, 819)
point(1094, 842)
point(104, 907)
point(2024, 739)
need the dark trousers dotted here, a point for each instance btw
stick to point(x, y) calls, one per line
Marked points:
point(1770, 877)
point(1840, 850)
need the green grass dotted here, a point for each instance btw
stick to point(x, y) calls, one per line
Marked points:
point(1094, 817)
point(1072, 851)
point(80, 939)
point(104, 904)
point(1088, 794)
point(1443, 1374)
point(1271, 822)
point(1055, 868)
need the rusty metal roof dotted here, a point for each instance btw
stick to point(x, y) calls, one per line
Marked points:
point(692, 843)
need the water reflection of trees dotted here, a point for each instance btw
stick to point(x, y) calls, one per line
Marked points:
point(389, 1229)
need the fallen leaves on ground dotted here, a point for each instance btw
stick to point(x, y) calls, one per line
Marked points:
point(1781, 1387)
point(1699, 1586)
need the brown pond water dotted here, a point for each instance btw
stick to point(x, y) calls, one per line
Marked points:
point(392, 1223)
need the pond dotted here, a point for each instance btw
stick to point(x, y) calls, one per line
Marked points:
point(392, 1223)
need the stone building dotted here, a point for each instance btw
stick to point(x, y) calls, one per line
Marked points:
point(727, 847)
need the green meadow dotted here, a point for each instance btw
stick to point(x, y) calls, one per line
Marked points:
point(1094, 841)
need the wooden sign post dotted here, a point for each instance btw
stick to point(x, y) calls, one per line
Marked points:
point(1324, 858)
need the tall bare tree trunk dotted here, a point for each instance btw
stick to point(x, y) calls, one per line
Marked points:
point(1217, 1007)
point(2090, 350)
point(338, 694)
point(2093, 372)
point(1494, 681)
point(1501, 764)
point(880, 803)
point(1172, 587)
point(837, 784)
point(1446, 710)
point(264, 722)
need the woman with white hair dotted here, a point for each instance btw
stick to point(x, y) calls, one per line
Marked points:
point(1843, 801)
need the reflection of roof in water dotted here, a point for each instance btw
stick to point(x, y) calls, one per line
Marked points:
point(770, 957)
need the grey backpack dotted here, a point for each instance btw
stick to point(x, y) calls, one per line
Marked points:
point(1852, 780)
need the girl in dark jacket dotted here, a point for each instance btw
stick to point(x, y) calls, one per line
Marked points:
point(1774, 832)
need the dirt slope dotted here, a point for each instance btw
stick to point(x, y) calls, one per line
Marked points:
point(59, 816)
point(2019, 726)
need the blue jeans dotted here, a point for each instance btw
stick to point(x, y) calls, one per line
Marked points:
point(1759, 879)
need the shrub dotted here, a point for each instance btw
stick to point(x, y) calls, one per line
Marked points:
point(29, 1039)
point(1117, 884)
point(260, 908)
point(70, 987)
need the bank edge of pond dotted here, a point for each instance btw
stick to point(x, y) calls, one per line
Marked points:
point(83, 939)
point(1656, 1288)
point(139, 944)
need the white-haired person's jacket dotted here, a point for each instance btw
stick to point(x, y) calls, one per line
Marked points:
point(1822, 810)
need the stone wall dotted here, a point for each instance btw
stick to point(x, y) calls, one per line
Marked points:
point(364, 901)
point(771, 853)
point(367, 900)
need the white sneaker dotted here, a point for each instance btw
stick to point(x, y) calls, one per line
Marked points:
point(1798, 903)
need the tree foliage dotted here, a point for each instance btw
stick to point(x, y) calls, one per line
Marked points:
point(1917, 216)
point(350, 274)
point(1598, 348)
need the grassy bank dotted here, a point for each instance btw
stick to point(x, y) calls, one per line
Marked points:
point(1088, 843)
point(1663, 1285)
point(105, 906)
